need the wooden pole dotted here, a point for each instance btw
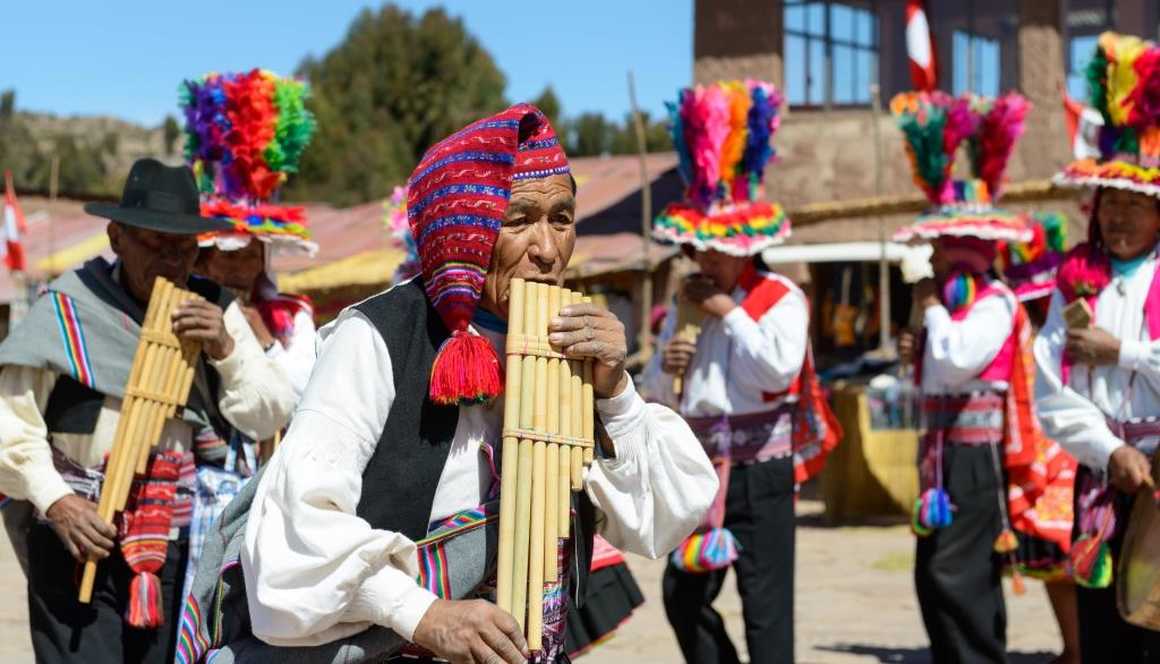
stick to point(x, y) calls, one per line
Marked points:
point(643, 339)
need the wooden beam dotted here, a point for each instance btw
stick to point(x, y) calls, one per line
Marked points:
point(814, 213)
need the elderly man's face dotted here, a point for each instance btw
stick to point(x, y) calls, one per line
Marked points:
point(536, 240)
point(146, 255)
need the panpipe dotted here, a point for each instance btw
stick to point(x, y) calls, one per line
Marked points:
point(688, 328)
point(548, 438)
point(159, 382)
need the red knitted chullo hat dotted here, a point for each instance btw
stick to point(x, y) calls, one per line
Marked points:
point(456, 200)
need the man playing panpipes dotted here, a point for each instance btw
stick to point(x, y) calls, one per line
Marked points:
point(63, 374)
point(746, 378)
point(395, 439)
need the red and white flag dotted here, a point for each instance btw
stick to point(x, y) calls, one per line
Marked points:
point(920, 47)
point(14, 225)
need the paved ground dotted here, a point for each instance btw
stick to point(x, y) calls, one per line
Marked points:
point(855, 603)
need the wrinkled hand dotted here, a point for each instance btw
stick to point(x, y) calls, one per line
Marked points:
point(586, 330)
point(471, 632)
point(201, 321)
point(677, 355)
point(704, 292)
point(84, 534)
point(926, 293)
point(1129, 469)
point(1094, 346)
point(906, 347)
point(254, 318)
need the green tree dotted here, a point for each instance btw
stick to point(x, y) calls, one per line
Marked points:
point(591, 134)
point(395, 84)
point(171, 131)
point(549, 103)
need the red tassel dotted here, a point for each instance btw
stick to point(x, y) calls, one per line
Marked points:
point(144, 610)
point(466, 371)
point(1017, 583)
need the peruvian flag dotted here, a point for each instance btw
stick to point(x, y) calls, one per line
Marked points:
point(920, 47)
point(11, 249)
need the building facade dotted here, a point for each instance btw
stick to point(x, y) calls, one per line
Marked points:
point(828, 56)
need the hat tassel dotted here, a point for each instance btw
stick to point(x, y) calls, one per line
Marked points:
point(466, 371)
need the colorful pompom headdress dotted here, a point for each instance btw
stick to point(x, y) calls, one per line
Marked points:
point(395, 221)
point(244, 135)
point(456, 201)
point(934, 125)
point(1029, 268)
point(1124, 83)
point(722, 136)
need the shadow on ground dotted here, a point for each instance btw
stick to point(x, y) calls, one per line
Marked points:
point(921, 655)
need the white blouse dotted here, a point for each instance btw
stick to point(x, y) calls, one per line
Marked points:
point(737, 358)
point(297, 357)
point(956, 352)
point(1075, 414)
point(317, 572)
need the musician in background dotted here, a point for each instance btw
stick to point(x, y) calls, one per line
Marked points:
point(741, 386)
point(1098, 382)
point(283, 323)
point(63, 373)
point(395, 431)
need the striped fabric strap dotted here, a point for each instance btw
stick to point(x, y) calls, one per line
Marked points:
point(72, 335)
point(434, 574)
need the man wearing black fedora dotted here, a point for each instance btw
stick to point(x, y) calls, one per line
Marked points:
point(63, 373)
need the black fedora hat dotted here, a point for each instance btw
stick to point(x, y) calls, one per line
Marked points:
point(160, 198)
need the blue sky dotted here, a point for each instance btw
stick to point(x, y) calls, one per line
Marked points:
point(126, 58)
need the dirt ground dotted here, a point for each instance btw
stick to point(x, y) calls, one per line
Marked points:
point(855, 603)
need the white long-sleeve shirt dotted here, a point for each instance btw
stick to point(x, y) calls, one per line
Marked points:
point(296, 357)
point(254, 397)
point(737, 358)
point(1075, 414)
point(956, 352)
point(316, 572)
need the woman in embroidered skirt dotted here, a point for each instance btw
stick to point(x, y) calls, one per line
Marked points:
point(1098, 386)
point(984, 466)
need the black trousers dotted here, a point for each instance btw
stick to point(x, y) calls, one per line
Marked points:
point(956, 572)
point(759, 512)
point(64, 631)
point(1103, 635)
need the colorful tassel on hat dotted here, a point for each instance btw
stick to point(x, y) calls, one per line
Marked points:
point(706, 551)
point(466, 371)
point(1006, 542)
point(1091, 562)
point(144, 609)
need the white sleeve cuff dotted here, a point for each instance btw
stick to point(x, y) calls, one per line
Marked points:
point(1100, 451)
point(623, 420)
point(737, 321)
point(392, 599)
point(1133, 354)
point(45, 487)
point(275, 350)
point(936, 316)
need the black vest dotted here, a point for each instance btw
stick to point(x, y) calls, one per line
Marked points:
point(400, 479)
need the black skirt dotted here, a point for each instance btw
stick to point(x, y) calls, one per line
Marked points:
point(612, 597)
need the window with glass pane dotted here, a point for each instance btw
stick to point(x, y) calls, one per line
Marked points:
point(831, 52)
point(976, 64)
point(1086, 19)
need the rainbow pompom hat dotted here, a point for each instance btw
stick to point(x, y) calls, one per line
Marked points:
point(244, 135)
point(722, 136)
point(1124, 83)
point(1030, 268)
point(934, 125)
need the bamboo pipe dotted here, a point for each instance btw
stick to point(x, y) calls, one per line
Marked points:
point(552, 459)
point(564, 489)
point(588, 408)
point(524, 467)
point(577, 461)
point(510, 456)
point(539, 480)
